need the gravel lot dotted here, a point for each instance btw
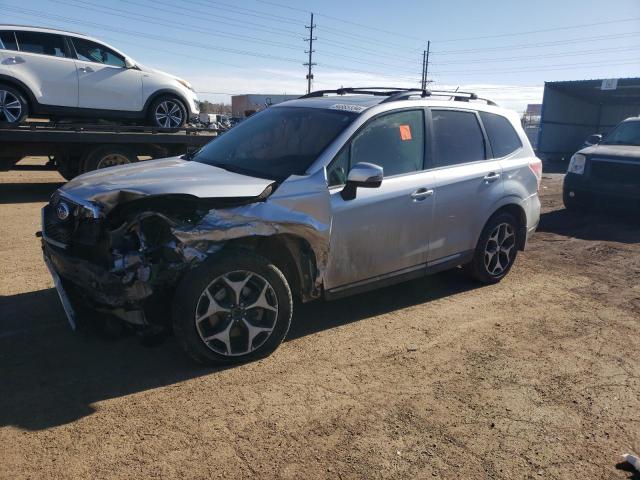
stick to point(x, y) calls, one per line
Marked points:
point(537, 377)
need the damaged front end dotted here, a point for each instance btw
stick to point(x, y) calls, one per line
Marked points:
point(123, 252)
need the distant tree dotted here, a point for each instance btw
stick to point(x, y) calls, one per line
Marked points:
point(221, 108)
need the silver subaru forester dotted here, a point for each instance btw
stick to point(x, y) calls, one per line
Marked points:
point(332, 194)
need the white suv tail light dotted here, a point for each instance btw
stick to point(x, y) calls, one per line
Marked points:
point(536, 168)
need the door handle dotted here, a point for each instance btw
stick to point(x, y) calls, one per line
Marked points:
point(421, 194)
point(86, 69)
point(15, 60)
point(492, 177)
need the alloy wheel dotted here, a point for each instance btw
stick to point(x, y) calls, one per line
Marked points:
point(236, 313)
point(168, 114)
point(10, 107)
point(498, 253)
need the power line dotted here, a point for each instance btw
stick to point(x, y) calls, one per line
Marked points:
point(110, 28)
point(543, 30)
point(237, 23)
point(538, 45)
point(169, 23)
point(548, 55)
point(560, 66)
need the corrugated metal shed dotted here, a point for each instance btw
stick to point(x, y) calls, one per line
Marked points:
point(573, 110)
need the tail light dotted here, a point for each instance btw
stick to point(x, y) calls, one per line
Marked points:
point(536, 167)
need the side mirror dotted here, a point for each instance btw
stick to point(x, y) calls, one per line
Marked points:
point(128, 63)
point(364, 175)
point(594, 139)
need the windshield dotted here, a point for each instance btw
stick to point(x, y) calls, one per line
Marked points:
point(627, 133)
point(277, 142)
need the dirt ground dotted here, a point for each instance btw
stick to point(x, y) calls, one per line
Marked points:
point(537, 377)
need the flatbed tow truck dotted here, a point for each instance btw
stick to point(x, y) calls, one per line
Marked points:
point(79, 147)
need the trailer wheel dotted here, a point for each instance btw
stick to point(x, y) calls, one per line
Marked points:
point(109, 156)
point(68, 167)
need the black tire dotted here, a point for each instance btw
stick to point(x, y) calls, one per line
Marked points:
point(68, 167)
point(16, 114)
point(157, 107)
point(109, 156)
point(477, 268)
point(192, 288)
point(575, 203)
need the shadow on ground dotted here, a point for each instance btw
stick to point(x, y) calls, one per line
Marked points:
point(611, 224)
point(51, 376)
point(27, 192)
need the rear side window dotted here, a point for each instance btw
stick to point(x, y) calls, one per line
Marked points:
point(457, 137)
point(502, 137)
point(94, 52)
point(42, 43)
point(8, 40)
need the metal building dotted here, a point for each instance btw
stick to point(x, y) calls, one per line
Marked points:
point(243, 105)
point(573, 110)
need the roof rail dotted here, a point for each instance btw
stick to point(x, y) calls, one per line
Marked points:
point(394, 93)
point(377, 91)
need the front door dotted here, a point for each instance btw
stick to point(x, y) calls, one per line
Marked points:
point(105, 83)
point(383, 230)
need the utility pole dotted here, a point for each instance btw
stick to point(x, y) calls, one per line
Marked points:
point(310, 63)
point(425, 66)
point(422, 83)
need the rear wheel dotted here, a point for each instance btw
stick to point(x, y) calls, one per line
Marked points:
point(109, 156)
point(235, 307)
point(167, 112)
point(496, 250)
point(13, 106)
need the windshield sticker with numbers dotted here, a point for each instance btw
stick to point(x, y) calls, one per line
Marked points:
point(348, 108)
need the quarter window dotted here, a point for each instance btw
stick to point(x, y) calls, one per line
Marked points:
point(457, 137)
point(42, 43)
point(502, 137)
point(94, 52)
point(8, 40)
point(394, 141)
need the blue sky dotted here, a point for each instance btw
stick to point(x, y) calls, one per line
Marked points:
point(256, 46)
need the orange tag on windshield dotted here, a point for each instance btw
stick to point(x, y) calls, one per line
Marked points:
point(405, 132)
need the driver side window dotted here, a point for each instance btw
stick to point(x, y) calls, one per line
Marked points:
point(394, 141)
point(94, 52)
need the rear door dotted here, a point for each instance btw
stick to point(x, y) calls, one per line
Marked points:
point(105, 83)
point(468, 182)
point(383, 230)
point(43, 62)
point(8, 48)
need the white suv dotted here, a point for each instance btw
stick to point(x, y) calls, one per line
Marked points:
point(63, 74)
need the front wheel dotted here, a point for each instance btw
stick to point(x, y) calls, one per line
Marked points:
point(167, 112)
point(496, 250)
point(235, 307)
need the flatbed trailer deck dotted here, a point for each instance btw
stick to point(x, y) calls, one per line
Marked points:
point(78, 148)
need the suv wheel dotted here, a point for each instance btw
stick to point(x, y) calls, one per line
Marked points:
point(13, 105)
point(235, 307)
point(496, 250)
point(167, 112)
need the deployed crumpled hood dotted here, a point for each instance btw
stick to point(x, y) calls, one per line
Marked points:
point(162, 177)
point(625, 151)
